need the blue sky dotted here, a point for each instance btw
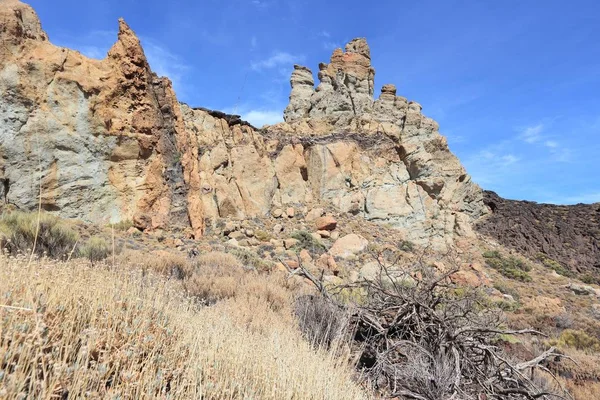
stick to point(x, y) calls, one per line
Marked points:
point(515, 85)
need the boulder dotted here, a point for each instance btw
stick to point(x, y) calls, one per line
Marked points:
point(348, 246)
point(327, 223)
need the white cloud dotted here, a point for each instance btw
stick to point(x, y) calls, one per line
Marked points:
point(551, 144)
point(276, 60)
point(325, 34)
point(259, 118)
point(253, 42)
point(328, 45)
point(532, 134)
point(260, 4)
point(492, 165)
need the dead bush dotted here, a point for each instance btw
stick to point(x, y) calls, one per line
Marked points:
point(433, 340)
point(321, 321)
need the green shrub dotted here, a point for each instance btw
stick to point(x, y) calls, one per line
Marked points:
point(577, 339)
point(406, 245)
point(555, 265)
point(504, 289)
point(308, 242)
point(510, 267)
point(18, 233)
point(250, 259)
point(263, 236)
point(96, 249)
point(123, 225)
point(590, 279)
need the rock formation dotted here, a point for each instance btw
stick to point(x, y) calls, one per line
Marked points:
point(108, 141)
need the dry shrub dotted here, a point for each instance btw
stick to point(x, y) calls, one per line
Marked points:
point(96, 249)
point(171, 265)
point(71, 331)
point(18, 232)
point(221, 276)
point(321, 322)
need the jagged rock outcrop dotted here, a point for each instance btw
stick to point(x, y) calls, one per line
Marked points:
point(569, 235)
point(109, 141)
point(97, 135)
point(384, 160)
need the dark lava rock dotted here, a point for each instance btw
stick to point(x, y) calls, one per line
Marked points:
point(569, 235)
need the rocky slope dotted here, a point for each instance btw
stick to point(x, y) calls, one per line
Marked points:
point(109, 141)
point(569, 235)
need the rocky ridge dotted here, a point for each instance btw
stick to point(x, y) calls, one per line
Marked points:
point(109, 142)
point(569, 235)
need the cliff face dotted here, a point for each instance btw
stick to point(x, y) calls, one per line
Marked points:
point(569, 235)
point(98, 135)
point(109, 141)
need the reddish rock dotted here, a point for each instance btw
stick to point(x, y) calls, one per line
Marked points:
point(327, 223)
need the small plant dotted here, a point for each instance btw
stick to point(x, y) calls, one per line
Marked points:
point(554, 265)
point(123, 225)
point(406, 245)
point(250, 260)
point(96, 249)
point(308, 242)
point(510, 267)
point(18, 234)
point(263, 236)
point(590, 279)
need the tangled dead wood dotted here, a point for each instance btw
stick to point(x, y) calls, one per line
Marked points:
point(420, 336)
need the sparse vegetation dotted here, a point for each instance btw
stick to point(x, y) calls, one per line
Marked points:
point(406, 245)
point(18, 230)
point(96, 249)
point(510, 267)
point(123, 225)
point(577, 339)
point(165, 263)
point(250, 259)
point(554, 265)
point(308, 242)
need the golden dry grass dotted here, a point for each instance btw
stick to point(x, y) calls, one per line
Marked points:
point(121, 333)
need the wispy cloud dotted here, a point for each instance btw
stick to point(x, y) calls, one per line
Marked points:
point(260, 3)
point(492, 164)
point(278, 59)
point(532, 134)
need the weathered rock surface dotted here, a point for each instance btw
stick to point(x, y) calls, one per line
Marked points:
point(110, 142)
point(569, 235)
point(98, 135)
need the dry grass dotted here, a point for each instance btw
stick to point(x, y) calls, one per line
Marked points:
point(18, 231)
point(122, 333)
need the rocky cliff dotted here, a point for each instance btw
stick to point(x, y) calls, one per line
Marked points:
point(107, 140)
point(569, 235)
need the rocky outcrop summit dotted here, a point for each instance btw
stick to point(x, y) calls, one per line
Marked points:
point(569, 235)
point(107, 141)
